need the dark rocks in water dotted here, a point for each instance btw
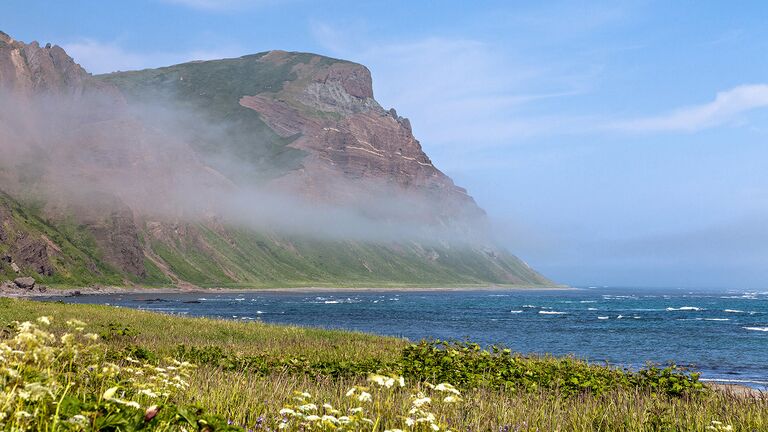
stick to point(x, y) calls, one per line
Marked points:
point(75, 294)
point(154, 300)
point(25, 282)
point(192, 301)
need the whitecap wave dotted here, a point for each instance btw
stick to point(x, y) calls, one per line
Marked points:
point(515, 311)
point(762, 329)
point(552, 312)
point(733, 311)
point(603, 317)
point(684, 308)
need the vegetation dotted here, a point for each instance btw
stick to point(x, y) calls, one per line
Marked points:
point(264, 377)
point(243, 258)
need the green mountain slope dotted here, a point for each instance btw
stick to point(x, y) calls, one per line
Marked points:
point(66, 253)
point(301, 124)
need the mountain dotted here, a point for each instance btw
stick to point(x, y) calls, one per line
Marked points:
point(273, 169)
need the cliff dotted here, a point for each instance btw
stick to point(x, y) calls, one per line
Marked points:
point(130, 178)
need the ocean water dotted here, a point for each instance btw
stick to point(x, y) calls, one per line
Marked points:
point(723, 334)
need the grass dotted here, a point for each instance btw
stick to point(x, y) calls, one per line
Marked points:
point(248, 372)
point(240, 258)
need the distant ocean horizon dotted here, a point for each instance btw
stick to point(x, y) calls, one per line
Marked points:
point(721, 333)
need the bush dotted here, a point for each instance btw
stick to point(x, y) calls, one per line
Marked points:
point(469, 366)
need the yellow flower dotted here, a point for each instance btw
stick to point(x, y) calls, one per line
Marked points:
point(110, 393)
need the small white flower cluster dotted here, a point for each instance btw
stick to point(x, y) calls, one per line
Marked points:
point(719, 426)
point(307, 416)
point(38, 369)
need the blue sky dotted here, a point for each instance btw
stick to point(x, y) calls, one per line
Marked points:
point(615, 143)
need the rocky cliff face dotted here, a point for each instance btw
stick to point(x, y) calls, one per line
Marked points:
point(92, 169)
point(331, 110)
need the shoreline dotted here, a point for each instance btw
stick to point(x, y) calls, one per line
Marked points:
point(96, 291)
point(741, 390)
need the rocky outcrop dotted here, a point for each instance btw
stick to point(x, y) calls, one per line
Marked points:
point(25, 282)
point(115, 231)
point(31, 253)
point(349, 136)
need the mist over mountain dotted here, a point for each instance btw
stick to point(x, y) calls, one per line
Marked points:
point(273, 169)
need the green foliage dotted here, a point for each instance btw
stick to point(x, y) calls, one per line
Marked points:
point(78, 263)
point(241, 258)
point(248, 372)
point(65, 383)
point(469, 366)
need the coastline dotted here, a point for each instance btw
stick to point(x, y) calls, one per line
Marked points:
point(112, 290)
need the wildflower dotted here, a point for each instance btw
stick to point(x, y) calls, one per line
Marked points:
point(421, 401)
point(110, 393)
point(410, 422)
point(148, 392)
point(401, 381)
point(75, 323)
point(381, 380)
point(451, 399)
point(356, 410)
point(131, 404)
point(312, 418)
point(91, 336)
point(44, 320)
point(350, 392)
point(308, 407)
point(151, 412)
point(445, 387)
point(364, 397)
point(329, 418)
point(394, 430)
point(287, 411)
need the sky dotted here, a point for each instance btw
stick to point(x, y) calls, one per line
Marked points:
point(611, 143)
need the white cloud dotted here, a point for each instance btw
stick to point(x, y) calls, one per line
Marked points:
point(726, 107)
point(103, 57)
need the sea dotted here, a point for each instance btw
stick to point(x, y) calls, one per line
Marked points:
point(721, 333)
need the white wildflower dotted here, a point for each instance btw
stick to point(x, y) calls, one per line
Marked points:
point(421, 401)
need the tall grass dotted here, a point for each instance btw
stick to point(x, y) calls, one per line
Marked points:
point(296, 363)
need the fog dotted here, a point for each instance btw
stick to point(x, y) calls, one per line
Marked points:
point(90, 152)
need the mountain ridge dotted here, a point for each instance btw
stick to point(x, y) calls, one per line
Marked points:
point(299, 126)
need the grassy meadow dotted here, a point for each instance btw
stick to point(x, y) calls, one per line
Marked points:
point(86, 367)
